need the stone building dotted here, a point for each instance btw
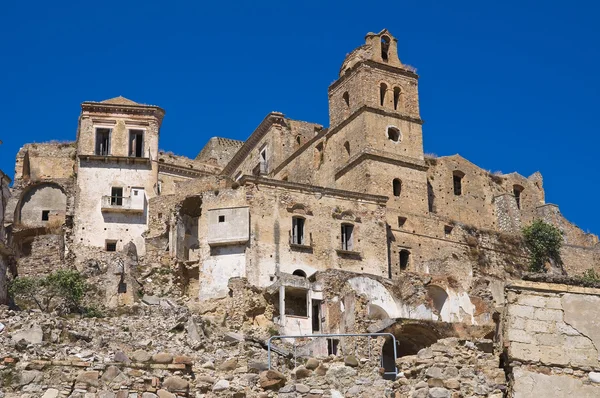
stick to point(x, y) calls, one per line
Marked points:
point(5, 251)
point(317, 215)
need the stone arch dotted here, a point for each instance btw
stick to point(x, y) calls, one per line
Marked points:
point(40, 203)
point(439, 300)
point(380, 299)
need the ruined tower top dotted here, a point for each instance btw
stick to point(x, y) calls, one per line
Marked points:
point(380, 47)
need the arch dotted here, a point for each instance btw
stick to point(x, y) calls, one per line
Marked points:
point(393, 133)
point(379, 296)
point(439, 298)
point(382, 91)
point(347, 148)
point(397, 97)
point(457, 178)
point(404, 259)
point(299, 272)
point(41, 202)
point(346, 98)
point(517, 190)
point(385, 48)
point(397, 186)
point(298, 140)
point(376, 312)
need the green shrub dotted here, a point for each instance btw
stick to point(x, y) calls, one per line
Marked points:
point(543, 241)
point(64, 288)
point(590, 275)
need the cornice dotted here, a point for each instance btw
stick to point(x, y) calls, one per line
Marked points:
point(378, 199)
point(145, 110)
point(381, 156)
point(181, 170)
point(252, 141)
point(114, 159)
point(372, 64)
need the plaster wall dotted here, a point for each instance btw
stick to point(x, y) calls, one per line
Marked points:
point(43, 197)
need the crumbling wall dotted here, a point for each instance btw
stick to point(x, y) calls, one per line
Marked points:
point(552, 339)
point(219, 151)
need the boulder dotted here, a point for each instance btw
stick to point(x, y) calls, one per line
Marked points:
point(51, 393)
point(311, 364)
point(271, 380)
point(121, 357)
point(438, 392)
point(165, 394)
point(228, 365)
point(301, 372)
point(32, 334)
point(183, 359)
point(221, 385)
point(350, 360)
point(141, 356)
point(88, 377)
point(162, 357)
point(175, 383)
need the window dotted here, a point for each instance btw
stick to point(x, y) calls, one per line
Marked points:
point(296, 302)
point(316, 316)
point(382, 92)
point(298, 140)
point(347, 237)
point(264, 165)
point(401, 221)
point(319, 156)
point(397, 94)
point(136, 143)
point(332, 346)
point(393, 134)
point(346, 97)
point(298, 230)
point(221, 218)
point(347, 148)
point(397, 186)
point(299, 272)
point(385, 48)
point(103, 141)
point(448, 229)
point(457, 177)
point(116, 196)
point(111, 245)
point(404, 259)
point(517, 189)
point(45, 215)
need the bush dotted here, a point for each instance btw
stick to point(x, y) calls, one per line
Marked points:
point(590, 275)
point(62, 288)
point(543, 241)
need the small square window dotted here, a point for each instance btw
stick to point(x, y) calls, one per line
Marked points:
point(401, 221)
point(45, 215)
point(448, 229)
point(135, 192)
point(221, 218)
point(111, 245)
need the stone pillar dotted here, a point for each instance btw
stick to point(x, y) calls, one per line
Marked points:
point(282, 305)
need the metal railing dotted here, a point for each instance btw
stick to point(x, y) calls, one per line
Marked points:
point(395, 372)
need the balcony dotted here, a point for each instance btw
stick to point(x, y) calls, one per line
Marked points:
point(300, 243)
point(122, 204)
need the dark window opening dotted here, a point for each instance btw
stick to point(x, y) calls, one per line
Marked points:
point(111, 245)
point(298, 230)
point(332, 346)
point(401, 221)
point(103, 141)
point(299, 272)
point(347, 237)
point(45, 215)
point(404, 259)
point(319, 155)
point(116, 196)
point(430, 198)
point(122, 288)
point(448, 229)
point(347, 148)
point(316, 316)
point(136, 143)
point(296, 302)
point(397, 186)
point(397, 93)
point(298, 140)
point(385, 47)
point(221, 218)
point(346, 97)
point(517, 189)
point(382, 92)
point(457, 182)
point(393, 134)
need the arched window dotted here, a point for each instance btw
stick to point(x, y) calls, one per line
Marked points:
point(517, 189)
point(385, 48)
point(404, 259)
point(299, 272)
point(397, 94)
point(397, 186)
point(393, 134)
point(382, 91)
point(298, 230)
point(298, 140)
point(347, 148)
point(346, 97)
point(347, 237)
point(457, 177)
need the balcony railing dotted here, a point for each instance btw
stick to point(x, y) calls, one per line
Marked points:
point(303, 242)
point(121, 204)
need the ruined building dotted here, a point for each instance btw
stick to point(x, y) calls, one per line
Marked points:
point(329, 220)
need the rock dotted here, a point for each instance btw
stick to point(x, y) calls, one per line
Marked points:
point(435, 382)
point(89, 377)
point(149, 395)
point(485, 345)
point(221, 385)
point(350, 360)
point(450, 372)
point(271, 380)
point(105, 394)
point(336, 394)
point(165, 394)
point(51, 393)
point(311, 364)
point(150, 300)
point(206, 379)
point(141, 356)
point(30, 376)
point(162, 357)
point(302, 388)
point(301, 372)
point(353, 391)
point(208, 365)
point(121, 357)
point(434, 372)
point(232, 336)
point(438, 392)
point(195, 334)
point(175, 383)
point(257, 367)
point(425, 353)
point(420, 385)
point(594, 377)
point(32, 334)
point(228, 365)
point(321, 370)
point(113, 374)
point(452, 384)
point(183, 359)
point(341, 372)
point(287, 388)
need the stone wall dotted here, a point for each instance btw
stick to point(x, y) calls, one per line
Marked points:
point(551, 335)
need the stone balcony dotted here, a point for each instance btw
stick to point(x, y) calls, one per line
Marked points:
point(121, 204)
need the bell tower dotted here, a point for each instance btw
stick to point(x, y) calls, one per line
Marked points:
point(375, 121)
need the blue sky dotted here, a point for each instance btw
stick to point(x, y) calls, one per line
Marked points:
point(511, 86)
